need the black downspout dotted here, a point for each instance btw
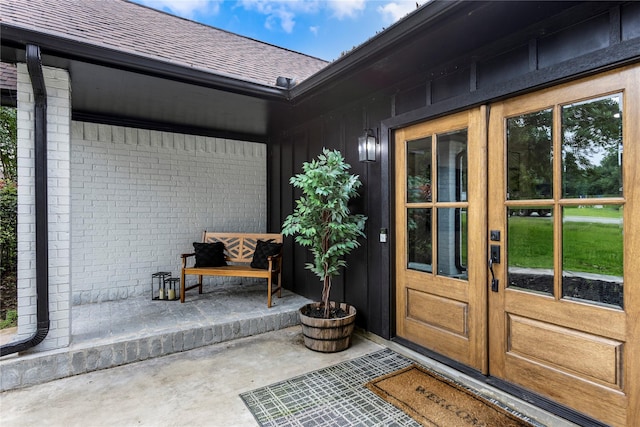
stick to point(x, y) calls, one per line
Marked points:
point(34, 66)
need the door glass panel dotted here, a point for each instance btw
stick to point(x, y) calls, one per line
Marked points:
point(419, 170)
point(592, 148)
point(530, 156)
point(592, 254)
point(530, 248)
point(452, 242)
point(452, 166)
point(419, 241)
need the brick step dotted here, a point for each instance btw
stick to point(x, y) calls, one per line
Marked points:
point(37, 368)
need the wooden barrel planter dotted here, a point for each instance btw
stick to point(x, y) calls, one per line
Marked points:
point(327, 335)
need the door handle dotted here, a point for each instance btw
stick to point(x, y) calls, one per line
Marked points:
point(495, 254)
point(494, 257)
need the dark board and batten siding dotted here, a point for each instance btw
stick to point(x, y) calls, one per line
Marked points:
point(576, 43)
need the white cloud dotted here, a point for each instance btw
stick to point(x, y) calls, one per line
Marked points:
point(285, 11)
point(394, 11)
point(286, 18)
point(184, 8)
point(314, 30)
point(281, 13)
point(346, 8)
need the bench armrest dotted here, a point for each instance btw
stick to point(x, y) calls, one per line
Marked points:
point(184, 259)
point(275, 262)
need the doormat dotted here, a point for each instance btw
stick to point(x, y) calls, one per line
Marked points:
point(333, 396)
point(433, 401)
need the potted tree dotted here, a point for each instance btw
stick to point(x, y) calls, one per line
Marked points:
point(322, 222)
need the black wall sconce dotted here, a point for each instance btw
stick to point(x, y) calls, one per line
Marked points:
point(367, 146)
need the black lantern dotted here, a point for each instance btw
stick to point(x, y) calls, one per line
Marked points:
point(158, 285)
point(173, 288)
point(367, 146)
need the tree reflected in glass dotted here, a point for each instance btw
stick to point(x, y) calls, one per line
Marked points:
point(530, 156)
point(592, 148)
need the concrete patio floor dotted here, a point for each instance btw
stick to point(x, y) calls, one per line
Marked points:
point(191, 387)
point(113, 333)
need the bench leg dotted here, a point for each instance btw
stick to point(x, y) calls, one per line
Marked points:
point(184, 288)
point(269, 283)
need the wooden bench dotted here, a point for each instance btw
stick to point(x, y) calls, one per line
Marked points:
point(238, 251)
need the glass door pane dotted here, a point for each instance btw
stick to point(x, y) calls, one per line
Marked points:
point(530, 156)
point(530, 245)
point(452, 242)
point(592, 148)
point(419, 170)
point(452, 166)
point(592, 253)
point(419, 246)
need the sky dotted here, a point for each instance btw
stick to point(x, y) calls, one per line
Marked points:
point(321, 28)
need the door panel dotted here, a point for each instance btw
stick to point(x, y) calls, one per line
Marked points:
point(442, 313)
point(563, 322)
point(603, 367)
point(440, 266)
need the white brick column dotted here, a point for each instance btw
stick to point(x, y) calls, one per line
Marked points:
point(59, 204)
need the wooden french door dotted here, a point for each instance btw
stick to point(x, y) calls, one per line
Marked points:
point(564, 194)
point(440, 255)
point(517, 244)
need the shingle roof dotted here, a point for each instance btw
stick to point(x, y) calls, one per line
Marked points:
point(8, 76)
point(135, 29)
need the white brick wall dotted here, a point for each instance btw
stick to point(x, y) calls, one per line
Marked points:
point(58, 142)
point(140, 198)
